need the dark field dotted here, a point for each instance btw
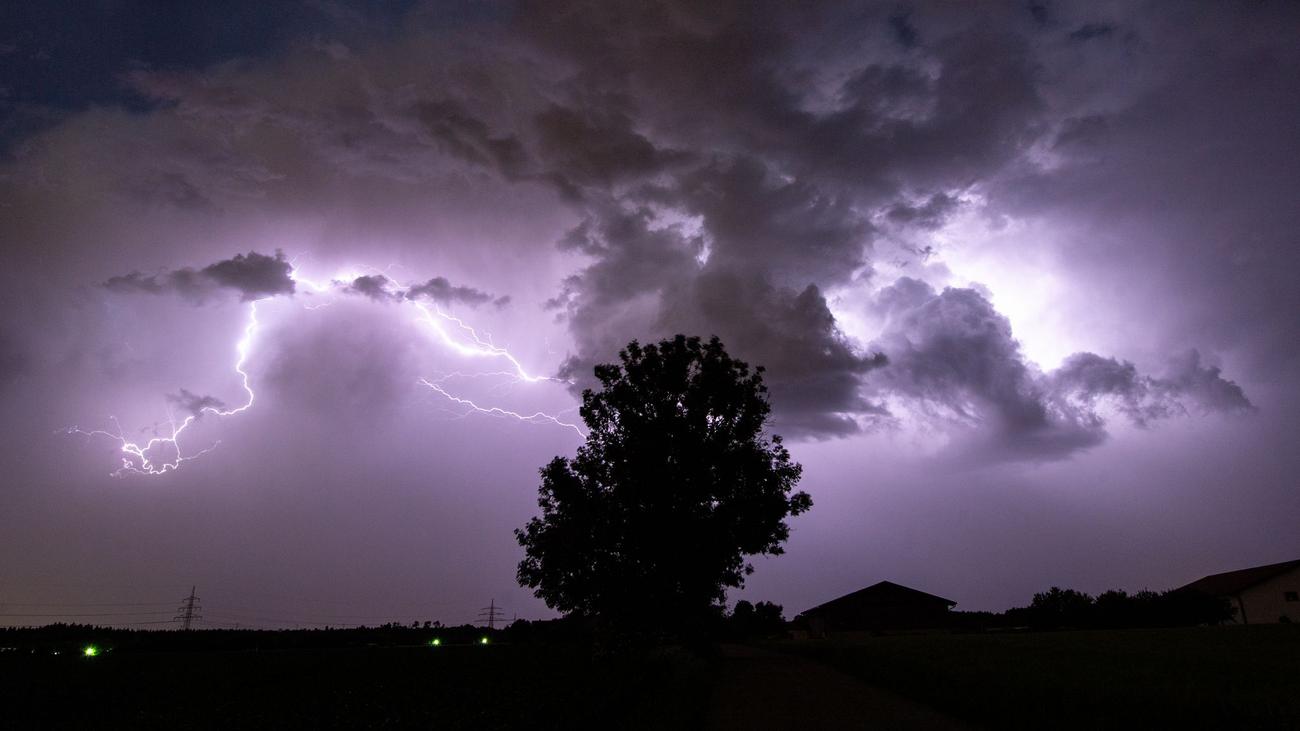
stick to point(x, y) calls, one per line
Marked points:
point(1239, 677)
point(493, 687)
point(1205, 677)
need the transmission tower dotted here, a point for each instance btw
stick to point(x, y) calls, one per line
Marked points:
point(188, 611)
point(491, 613)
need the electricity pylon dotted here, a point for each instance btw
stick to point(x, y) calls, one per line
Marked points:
point(188, 611)
point(491, 613)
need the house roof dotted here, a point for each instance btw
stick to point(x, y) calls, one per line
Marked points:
point(1232, 582)
point(884, 593)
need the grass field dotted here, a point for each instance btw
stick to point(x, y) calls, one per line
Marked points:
point(493, 687)
point(1228, 678)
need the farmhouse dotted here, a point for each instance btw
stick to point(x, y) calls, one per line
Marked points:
point(882, 606)
point(1259, 595)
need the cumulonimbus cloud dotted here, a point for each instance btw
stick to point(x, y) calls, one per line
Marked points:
point(729, 174)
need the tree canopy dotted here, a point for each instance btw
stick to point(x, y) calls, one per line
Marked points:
point(677, 485)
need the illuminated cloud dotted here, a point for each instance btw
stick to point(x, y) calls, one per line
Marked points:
point(253, 275)
point(953, 355)
point(444, 292)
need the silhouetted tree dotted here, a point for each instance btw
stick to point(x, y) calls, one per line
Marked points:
point(763, 619)
point(769, 618)
point(1115, 608)
point(1059, 607)
point(650, 523)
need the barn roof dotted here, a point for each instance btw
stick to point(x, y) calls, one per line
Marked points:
point(884, 593)
point(1232, 582)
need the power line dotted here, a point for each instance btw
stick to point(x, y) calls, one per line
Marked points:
point(85, 614)
point(303, 599)
point(277, 620)
point(332, 617)
point(133, 624)
point(84, 604)
point(315, 622)
point(411, 604)
point(109, 624)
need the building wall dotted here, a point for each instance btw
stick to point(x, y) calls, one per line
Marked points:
point(1266, 602)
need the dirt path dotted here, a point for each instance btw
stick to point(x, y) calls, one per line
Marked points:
point(764, 690)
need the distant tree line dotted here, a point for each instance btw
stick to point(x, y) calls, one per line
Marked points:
point(72, 638)
point(1059, 608)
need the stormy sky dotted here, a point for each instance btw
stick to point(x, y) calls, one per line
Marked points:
point(1022, 275)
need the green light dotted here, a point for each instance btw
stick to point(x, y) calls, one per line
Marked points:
point(435, 641)
point(90, 651)
point(482, 640)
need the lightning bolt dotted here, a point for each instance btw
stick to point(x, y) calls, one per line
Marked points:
point(138, 456)
point(163, 454)
point(495, 411)
point(478, 346)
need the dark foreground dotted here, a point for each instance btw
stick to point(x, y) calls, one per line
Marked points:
point(1196, 677)
point(450, 687)
point(1240, 677)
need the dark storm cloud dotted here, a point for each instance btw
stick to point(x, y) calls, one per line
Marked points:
point(955, 356)
point(374, 286)
point(930, 214)
point(59, 59)
point(464, 136)
point(904, 30)
point(1089, 31)
point(731, 210)
point(439, 290)
point(742, 80)
point(732, 169)
point(1204, 385)
point(194, 403)
point(813, 371)
point(649, 279)
point(253, 275)
point(634, 259)
point(596, 146)
point(792, 230)
point(1088, 377)
point(764, 200)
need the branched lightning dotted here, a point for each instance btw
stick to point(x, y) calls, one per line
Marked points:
point(437, 320)
point(139, 457)
point(495, 411)
point(162, 454)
